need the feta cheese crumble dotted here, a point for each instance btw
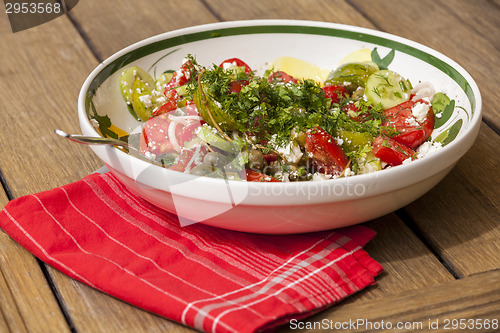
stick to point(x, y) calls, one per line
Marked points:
point(428, 148)
point(146, 100)
point(420, 111)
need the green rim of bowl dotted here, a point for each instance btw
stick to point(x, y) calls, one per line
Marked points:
point(143, 51)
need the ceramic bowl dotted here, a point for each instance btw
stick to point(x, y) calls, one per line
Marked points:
point(280, 208)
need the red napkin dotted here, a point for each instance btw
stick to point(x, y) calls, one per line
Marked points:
point(99, 233)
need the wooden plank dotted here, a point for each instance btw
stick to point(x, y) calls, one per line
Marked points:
point(93, 311)
point(461, 215)
point(338, 11)
point(26, 301)
point(471, 300)
point(39, 93)
point(33, 159)
point(10, 318)
point(414, 266)
point(480, 16)
point(407, 263)
point(120, 24)
point(441, 26)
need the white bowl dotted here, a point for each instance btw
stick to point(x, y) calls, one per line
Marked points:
point(280, 208)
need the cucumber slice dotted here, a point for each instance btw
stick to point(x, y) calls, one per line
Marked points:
point(163, 79)
point(128, 78)
point(142, 106)
point(213, 138)
point(387, 88)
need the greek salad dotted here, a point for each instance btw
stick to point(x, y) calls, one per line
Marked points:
point(226, 121)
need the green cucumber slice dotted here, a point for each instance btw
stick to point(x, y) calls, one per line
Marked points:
point(387, 88)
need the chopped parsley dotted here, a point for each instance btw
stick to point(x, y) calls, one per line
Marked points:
point(269, 109)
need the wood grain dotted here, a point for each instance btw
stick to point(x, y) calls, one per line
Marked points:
point(338, 11)
point(109, 27)
point(32, 159)
point(94, 311)
point(42, 71)
point(10, 318)
point(461, 216)
point(409, 267)
point(26, 300)
point(407, 263)
point(444, 27)
point(475, 297)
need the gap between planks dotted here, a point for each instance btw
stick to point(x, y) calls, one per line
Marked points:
point(401, 213)
point(410, 223)
point(43, 267)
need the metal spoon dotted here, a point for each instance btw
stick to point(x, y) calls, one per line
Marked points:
point(92, 140)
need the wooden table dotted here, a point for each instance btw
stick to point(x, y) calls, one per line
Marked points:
point(441, 254)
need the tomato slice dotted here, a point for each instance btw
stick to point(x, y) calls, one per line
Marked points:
point(180, 77)
point(169, 105)
point(237, 62)
point(413, 131)
point(155, 136)
point(191, 109)
point(188, 158)
point(235, 86)
point(335, 92)
point(390, 151)
point(189, 131)
point(281, 76)
point(327, 156)
point(254, 176)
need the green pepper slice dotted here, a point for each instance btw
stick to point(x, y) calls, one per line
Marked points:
point(352, 75)
point(211, 111)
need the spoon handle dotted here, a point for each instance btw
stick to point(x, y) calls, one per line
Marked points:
point(91, 140)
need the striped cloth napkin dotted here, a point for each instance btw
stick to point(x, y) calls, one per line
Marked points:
point(99, 233)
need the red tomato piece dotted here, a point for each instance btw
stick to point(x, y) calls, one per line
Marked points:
point(189, 158)
point(390, 151)
point(180, 77)
point(170, 105)
point(412, 133)
point(189, 131)
point(281, 76)
point(327, 156)
point(154, 136)
point(235, 86)
point(191, 109)
point(271, 157)
point(335, 93)
point(254, 176)
point(353, 112)
point(237, 62)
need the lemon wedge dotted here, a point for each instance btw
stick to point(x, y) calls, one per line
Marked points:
point(300, 69)
point(359, 56)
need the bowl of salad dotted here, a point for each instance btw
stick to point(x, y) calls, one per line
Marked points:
point(280, 126)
